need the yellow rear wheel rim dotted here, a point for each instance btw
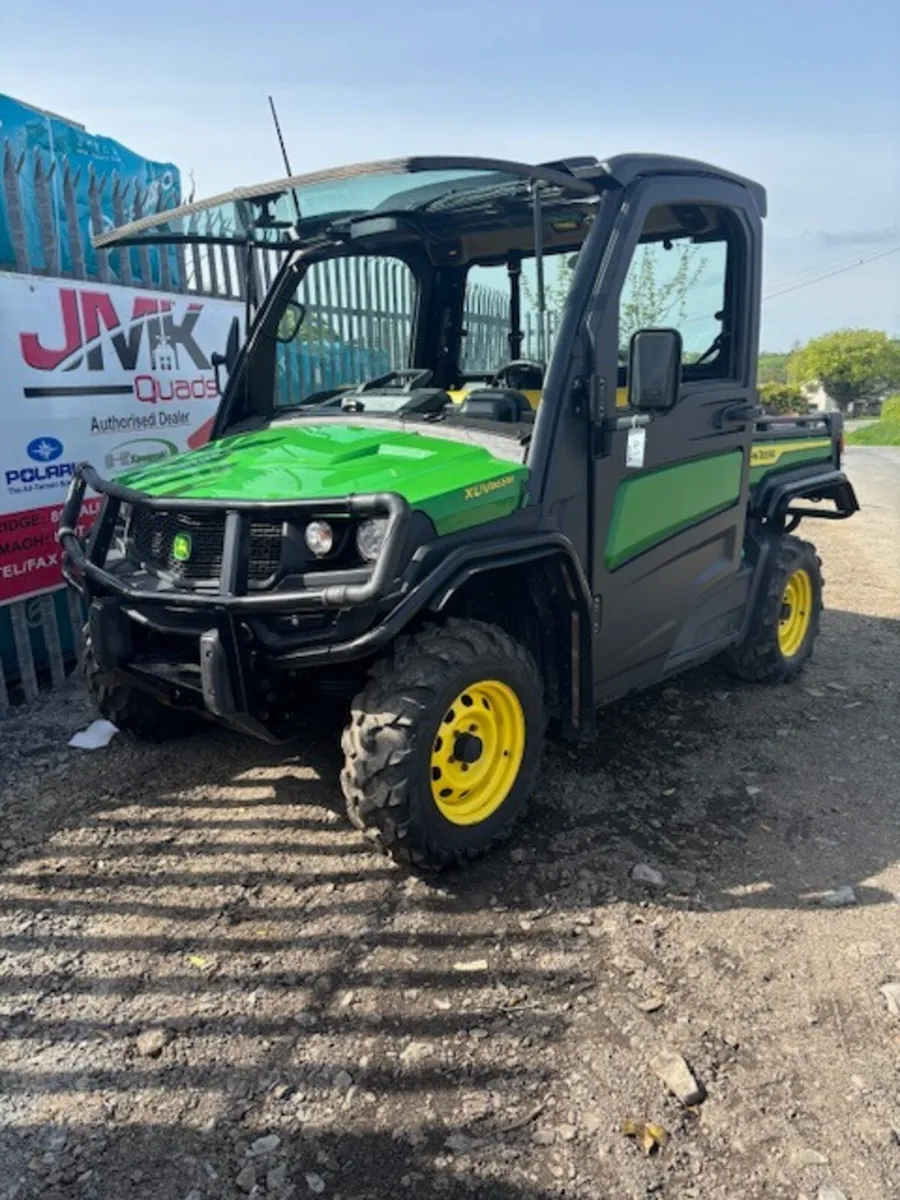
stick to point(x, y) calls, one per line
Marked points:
point(477, 752)
point(796, 613)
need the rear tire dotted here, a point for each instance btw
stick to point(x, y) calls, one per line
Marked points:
point(130, 710)
point(444, 744)
point(784, 631)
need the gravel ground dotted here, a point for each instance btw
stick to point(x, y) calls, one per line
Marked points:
point(210, 987)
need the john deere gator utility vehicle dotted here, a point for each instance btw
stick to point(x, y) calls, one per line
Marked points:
point(466, 547)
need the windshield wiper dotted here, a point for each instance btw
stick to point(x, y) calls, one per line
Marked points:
point(462, 198)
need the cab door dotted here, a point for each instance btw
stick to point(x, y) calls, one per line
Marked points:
point(669, 486)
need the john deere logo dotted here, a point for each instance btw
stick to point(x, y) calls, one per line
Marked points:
point(181, 547)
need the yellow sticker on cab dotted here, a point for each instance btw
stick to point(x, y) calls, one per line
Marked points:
point(477, 490)
point(764, 456)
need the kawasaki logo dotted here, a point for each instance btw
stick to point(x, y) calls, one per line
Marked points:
point(181, 547)
point(139, 452)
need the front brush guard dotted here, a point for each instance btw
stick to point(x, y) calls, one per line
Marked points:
point(88, 559)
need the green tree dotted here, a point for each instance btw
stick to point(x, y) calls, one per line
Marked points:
point(316, 328)
point(781, 399)
point(772, 367)
point(648, 301)
point(854, 366)
point(556, 289)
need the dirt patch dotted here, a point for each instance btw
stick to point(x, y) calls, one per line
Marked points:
point(211, 987)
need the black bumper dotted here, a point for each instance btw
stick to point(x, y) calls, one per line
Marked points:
point(221, 620)
point(231, 594)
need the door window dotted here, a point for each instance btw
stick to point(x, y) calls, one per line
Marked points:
point(679, 278)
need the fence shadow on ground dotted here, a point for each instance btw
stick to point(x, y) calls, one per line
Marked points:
point(210, 894)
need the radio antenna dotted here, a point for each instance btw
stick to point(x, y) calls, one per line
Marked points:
point(287, 165)
point(284, 154)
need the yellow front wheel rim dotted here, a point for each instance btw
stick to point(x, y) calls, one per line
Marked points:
point(477, 752)
point(796, 613)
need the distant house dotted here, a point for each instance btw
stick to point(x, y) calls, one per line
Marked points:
point(820, 401)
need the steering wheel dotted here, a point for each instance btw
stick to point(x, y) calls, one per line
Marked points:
point(500, 379)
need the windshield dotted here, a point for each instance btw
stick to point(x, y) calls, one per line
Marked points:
point(304, 207)
point(357, 327)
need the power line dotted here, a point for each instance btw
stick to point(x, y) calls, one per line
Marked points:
point(802, 273)
point(830, 274)
point(794, 287)
point(796, 278)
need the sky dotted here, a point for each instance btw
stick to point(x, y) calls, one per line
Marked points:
point(802, 97)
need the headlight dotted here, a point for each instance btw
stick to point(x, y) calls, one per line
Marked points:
point(370, 538)
point(319, 537)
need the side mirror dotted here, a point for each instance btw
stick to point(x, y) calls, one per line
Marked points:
point(291, 320)
point(654, 369)
point(228, 359)
point(233, 344)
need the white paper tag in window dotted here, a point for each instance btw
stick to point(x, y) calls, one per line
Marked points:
point(634, 447)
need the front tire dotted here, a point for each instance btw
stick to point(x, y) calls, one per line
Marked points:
point(444, 744)
point(130, 710)
point(783, 634)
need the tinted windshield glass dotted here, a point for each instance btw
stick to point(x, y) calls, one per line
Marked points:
point(319, 205)
point(358, 326)
point(277, 212)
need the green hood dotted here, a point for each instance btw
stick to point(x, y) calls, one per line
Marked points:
point(456, 483)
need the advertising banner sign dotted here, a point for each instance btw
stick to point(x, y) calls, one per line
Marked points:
point(114, 376)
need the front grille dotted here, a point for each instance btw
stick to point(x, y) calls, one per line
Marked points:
point(154, 534)
point(265, 549)
point(188, 546)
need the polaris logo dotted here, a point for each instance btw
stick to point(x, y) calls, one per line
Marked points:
point(54, 473)
point(46, 473)
point(44, 449)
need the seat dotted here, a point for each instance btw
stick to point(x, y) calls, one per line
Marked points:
point(523, 376)
point(496, 404)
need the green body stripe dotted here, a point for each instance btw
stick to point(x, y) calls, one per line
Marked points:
point(652, 506)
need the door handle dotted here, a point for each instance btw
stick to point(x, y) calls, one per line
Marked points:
point(737, 414)
point(632, 422)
